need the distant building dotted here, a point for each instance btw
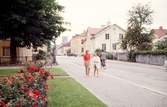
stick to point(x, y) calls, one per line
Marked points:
point(160, 32)
point(64, 39)
point(77, 43)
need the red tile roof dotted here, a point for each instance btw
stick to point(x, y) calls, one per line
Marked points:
point(160, 32)
point(94, 31)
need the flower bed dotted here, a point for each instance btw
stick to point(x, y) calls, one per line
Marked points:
point(26, 89)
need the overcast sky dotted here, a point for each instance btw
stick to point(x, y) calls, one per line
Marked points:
point(94, 13)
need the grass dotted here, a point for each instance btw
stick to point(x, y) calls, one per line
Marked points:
point(4, 72)
point(65, 91)
point(57, 71)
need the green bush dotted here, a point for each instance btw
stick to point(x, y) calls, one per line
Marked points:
point(27, 89)
point(42, 55)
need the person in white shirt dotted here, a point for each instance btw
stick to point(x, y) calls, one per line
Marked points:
point(96, 62)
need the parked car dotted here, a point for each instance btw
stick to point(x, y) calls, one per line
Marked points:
point(72, 54)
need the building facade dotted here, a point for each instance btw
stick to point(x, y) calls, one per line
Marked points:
point(106, 38)
point(77, 43)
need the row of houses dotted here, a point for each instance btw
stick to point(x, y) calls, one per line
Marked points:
point(106, 37)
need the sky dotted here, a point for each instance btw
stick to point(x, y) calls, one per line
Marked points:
point(94, 13)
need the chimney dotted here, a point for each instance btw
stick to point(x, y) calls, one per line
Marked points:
point(160, 27)
point(108, 23)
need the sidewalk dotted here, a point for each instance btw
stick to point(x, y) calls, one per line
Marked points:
point(113, 92)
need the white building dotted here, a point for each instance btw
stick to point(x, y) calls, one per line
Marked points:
point(106, 38)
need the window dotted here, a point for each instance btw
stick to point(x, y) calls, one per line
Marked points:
point(114, 46)
point(106, 36)
point(120, 36)
point(6, 51)
point(82, 41)
point(114, 29)
point(82, 49)
point(103, 46)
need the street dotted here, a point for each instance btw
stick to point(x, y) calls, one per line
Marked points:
point(121, 84)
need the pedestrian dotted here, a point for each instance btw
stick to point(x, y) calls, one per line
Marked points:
point(86, 59)
point(103, 59)
point(96, 62)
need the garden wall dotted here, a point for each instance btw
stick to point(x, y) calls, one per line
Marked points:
point(151, 59)
point(122, 56)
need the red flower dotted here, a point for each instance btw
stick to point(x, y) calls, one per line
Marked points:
point(48, 73)
point(42, 70)
point(17, 105)
point(27, 80)
point(52, 76)
point(36, 92)
point(13, 77)
point(29, 76)
point(35, 105)
point(43, 97)
point(20, 71)
point(25, 89)
point(46, 87)
point(34, 68)
point(30, 93)
point(2, 104)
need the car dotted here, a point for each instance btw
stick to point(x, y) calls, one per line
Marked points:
point(72, 54)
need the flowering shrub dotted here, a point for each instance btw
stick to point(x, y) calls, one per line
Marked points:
point(26, 89)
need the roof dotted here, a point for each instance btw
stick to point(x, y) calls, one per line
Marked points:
point(94, 31)
point(80, 35)
point(160, 32)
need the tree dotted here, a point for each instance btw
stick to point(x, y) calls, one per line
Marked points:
point(30, 23)
point(138, 37)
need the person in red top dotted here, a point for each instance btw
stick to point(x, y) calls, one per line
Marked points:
point(86, 58)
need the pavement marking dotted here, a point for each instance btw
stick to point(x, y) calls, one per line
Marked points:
point(135, 84)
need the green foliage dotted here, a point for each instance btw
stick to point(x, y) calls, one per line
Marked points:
point(98, 50)
point(110, 56)
point(30, 23)
point(42, 55)
point(138, 37)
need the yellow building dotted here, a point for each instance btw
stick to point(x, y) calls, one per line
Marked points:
point(22, 54)
point(77, 46)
